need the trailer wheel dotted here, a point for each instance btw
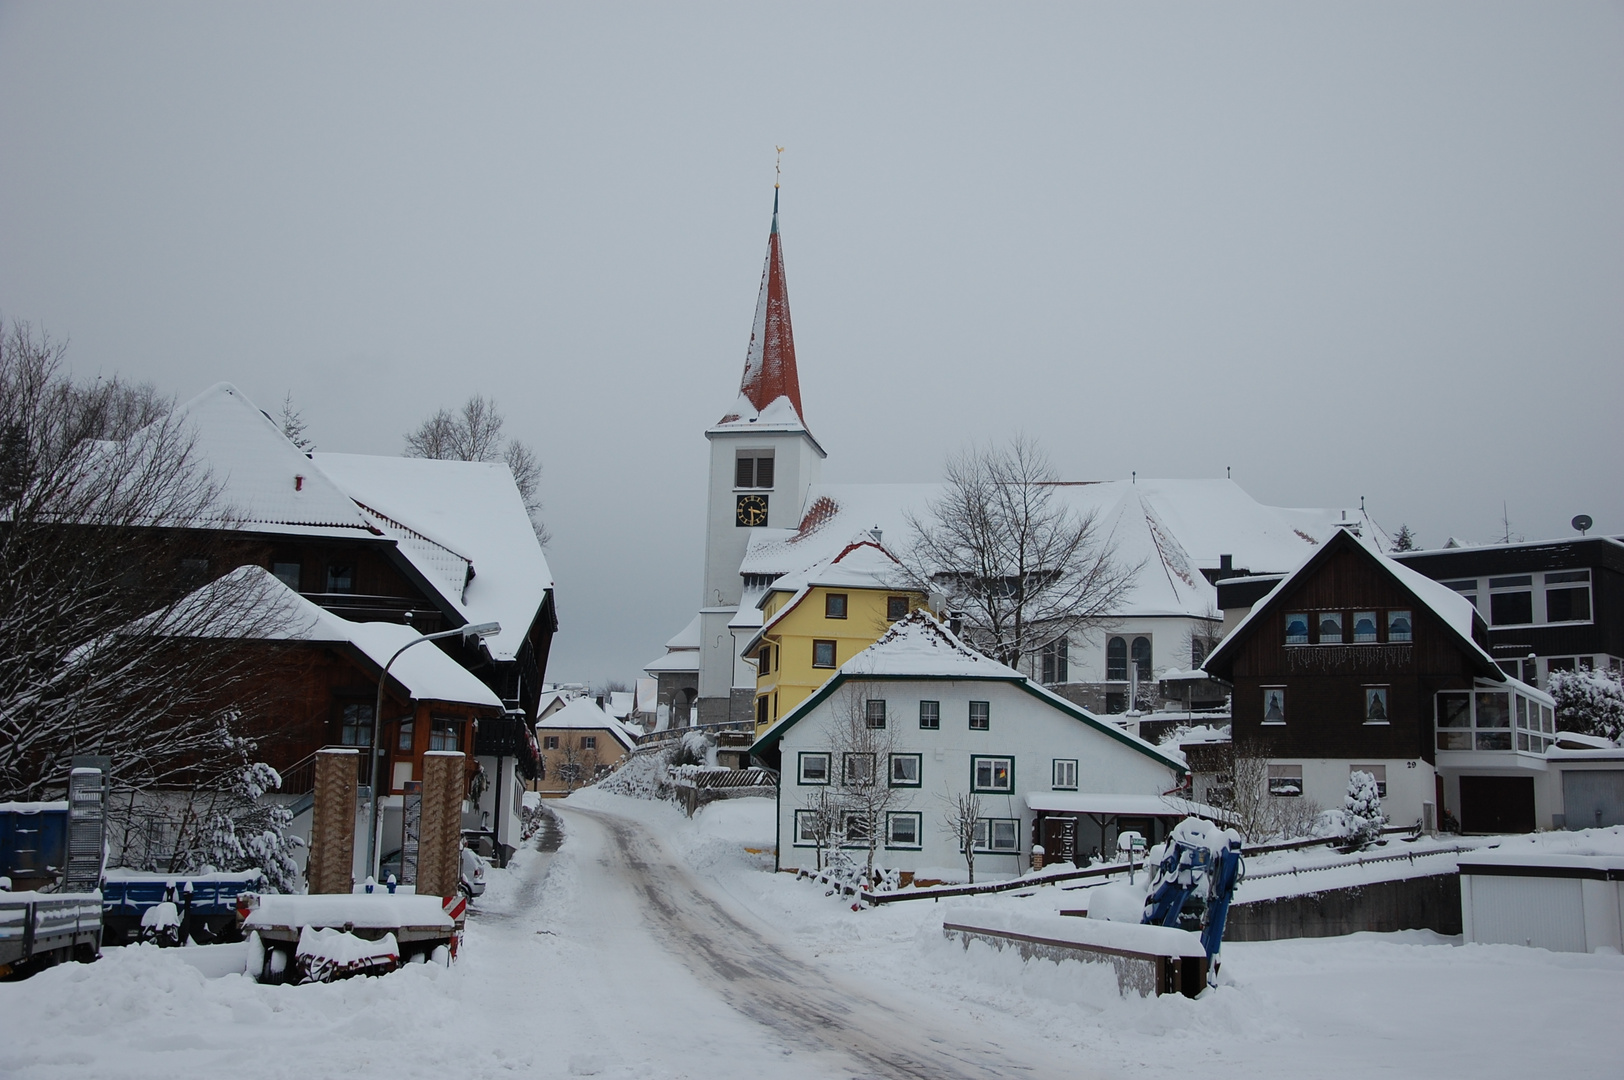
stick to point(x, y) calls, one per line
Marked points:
point(278, 961)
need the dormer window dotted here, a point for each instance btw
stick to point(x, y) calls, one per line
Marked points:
point(1297, 628)
point(1330, 627)
point(754, 470)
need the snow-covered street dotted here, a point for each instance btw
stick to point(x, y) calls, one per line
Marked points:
point(655, 946)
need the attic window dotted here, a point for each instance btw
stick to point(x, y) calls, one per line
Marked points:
point(896, 607)
point(1297, 628)
point(1330, 628)
point(1398, 626)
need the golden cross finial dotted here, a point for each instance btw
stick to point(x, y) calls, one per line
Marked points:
point(778, 166)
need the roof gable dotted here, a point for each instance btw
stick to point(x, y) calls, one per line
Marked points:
point(1451, 610)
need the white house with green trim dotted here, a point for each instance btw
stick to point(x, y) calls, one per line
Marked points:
point(958, 722)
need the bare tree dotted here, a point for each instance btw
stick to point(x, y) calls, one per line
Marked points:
point(960, 812)
point(1258, 813)
point(862, 742)
point(1021, 567)
point(822, 810)
point(117, 642)
point(474, 433)
point(577, 764)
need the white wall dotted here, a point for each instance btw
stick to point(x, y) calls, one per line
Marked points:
point(1169, 647)
point(1022, 726)
point(1409, 784)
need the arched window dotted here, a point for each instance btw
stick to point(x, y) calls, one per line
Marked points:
point(1141, 657)
point(1116, 659)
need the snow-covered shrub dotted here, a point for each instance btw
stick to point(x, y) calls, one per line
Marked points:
point(1589, 702)
point(1362, 816)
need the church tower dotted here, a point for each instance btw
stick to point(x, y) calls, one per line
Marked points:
point(763, 460)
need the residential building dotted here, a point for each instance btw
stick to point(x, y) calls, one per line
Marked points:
point(1355, 661)
point(579, 743)
point(1550, 605)
point(815, 620)
point(956, 723)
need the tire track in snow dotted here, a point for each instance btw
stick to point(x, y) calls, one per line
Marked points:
point(797, 1002)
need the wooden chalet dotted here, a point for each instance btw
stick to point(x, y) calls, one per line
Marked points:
point(1355, 661)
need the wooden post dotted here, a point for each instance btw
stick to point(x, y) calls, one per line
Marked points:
point(440, 840)
point(331, 866)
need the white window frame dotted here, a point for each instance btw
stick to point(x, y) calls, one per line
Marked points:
point(1060, 770)
point(918, 770)
point(800, 768)
point(1284, 773)
point(991, 760)
point(918, 820)
point(987, 831)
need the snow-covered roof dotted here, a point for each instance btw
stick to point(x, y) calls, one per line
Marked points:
point(1449, 606)
point(861, 564)
point(687, 637)
point(583, 714)
point(919, 645)
point(267, 484)
point(448, 517)
point(1172, 529)
point(678, 660)
point(620, 703)
point(277, 613)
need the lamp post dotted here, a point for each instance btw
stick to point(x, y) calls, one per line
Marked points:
point(474, 632)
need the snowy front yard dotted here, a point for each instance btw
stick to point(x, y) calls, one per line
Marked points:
point(655, 946)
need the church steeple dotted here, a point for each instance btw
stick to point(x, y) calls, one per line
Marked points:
point(769, 365)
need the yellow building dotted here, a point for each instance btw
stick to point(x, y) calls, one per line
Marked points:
point(815, 620)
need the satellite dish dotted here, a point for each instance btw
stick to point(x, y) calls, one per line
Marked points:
point(1583, 523)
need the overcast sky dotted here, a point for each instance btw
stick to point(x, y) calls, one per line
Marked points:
point(1348, 250)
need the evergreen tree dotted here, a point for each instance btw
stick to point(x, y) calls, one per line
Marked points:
point(1362, 816)
point(1404, 539)
point(1589, 702)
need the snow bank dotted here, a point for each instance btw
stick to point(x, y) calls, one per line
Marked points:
point(377, 911)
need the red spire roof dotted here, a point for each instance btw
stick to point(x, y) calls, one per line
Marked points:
point(769, 366)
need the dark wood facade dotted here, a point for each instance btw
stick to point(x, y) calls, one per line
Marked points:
point(1325, 684)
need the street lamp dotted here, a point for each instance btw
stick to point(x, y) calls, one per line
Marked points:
point(471, 632)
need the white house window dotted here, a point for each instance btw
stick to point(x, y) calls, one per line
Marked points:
point(1567, 596)
point(1399, 626)
point(806, 828)
point(1377, 771)
point(858, 768)
point(1286, 781)
point(905, 770)
point(997, 835)
point(1297, 628)
point(1065, 774)
point(874, 713)
point(902, 829)
point(1376, 705)
point(856, 829)
point(814, 768)
point(930, 715)
point(1492, 719)
point(1511, 600)
point(992, 775)
point(980, 715)
point(1330, 627)
point(1274, 704)
point(1364, 627)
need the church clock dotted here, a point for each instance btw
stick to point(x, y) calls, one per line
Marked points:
point(751, 511)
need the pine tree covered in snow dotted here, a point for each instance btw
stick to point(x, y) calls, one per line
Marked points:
point(1589, 702)
point(1362, 816)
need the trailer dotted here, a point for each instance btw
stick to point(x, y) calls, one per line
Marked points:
point(39, 930)
point(303, 938)
point(205, 904)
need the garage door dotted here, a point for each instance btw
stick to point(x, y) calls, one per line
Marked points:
point(1497, 804)
point(1593, 799)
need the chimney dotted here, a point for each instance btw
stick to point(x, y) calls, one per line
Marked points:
point(1226, 566)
